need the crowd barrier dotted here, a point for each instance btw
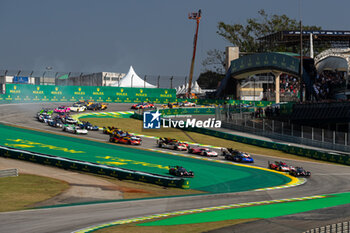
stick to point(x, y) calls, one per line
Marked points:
point(232, 102)
point(70, 164)
point(50, 93)
point(188, 111)
point(310, 153)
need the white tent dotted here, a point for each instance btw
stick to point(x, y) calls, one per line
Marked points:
point(196, 88)
point(131, 79)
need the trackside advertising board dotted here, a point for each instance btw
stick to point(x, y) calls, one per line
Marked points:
point(51, 93)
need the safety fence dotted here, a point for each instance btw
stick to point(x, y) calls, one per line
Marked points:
point(49, 93)
point(99, 169)
point(310, 153)
point(9, 172)
point(300, 151)
point(237, 103)
point(342, 227)
point(284, 130)
point(182, 111)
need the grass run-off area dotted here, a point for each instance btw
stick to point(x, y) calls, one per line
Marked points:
point(135, 126)
point(22, 191)
point(185, 228)
point(134, 189)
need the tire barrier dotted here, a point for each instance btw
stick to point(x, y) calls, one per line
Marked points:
point(99, 169)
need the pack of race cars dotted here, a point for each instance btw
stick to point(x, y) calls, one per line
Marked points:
point(293, 171)
point(60, 118)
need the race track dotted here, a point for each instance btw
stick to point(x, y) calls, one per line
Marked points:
point(325, 179)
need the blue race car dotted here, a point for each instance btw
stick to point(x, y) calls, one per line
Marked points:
point(236, 156)
point(87, 125)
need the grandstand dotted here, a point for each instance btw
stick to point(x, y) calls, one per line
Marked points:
point(318, 108)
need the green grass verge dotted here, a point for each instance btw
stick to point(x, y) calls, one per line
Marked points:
point(185, 228)
point(135, 126)
point(20, 192)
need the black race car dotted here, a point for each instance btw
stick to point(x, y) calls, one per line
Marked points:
point(56, 122)
point(180, 171)
point(87, 125)
point(299, 171)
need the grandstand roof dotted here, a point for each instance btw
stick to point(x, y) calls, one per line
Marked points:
point(290, 38)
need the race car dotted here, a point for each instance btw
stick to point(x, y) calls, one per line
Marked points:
point(78, 108)
point(87, 125)
point(44, 117)
point(236, 156)
point(129, 139)
point(172, 144)
point(56, 122)
point(69, 120)
point(187, 104)
point(62, 109)
point(73, 129)
point(299, 171)
point(97, 106)
point(171, 105)
point(279, 166)
point(142, 106)
point(202, 151)
point(45, 111)
point(180, 171)
point(109, 130)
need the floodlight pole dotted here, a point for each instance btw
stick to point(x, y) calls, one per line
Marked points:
point(197, 17)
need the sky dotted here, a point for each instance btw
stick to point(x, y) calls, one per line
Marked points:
point(154, 36)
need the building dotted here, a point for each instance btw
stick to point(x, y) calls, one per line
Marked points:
point(94, 79)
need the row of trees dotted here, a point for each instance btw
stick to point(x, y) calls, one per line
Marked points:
point(246, 38)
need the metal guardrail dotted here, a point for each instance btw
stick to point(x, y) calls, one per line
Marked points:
point(342, 227)
point(9, 172)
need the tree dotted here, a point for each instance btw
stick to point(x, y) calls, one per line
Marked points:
point(215, 61)
point(209, 80)
point(246, 37)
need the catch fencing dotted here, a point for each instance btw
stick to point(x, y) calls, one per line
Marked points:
point(51, 77)
point(283, 130)
point(342, 227)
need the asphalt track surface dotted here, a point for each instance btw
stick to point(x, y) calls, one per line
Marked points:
point(326, 178)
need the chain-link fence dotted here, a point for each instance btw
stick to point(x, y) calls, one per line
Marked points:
point(51, 77)
point(283, 130)
point(342, 227)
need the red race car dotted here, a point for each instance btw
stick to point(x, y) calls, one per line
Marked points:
point(142, 106)
point(203, 151)
point(129, 139)
point(279, 166)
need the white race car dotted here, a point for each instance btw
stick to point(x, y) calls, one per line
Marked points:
point(69, 120)
point(78, 108)
point(187, 104)
point(74, 129)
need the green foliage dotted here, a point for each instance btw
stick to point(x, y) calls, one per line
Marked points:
point(209, 80)
point(245, 36)
point(215, 61)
